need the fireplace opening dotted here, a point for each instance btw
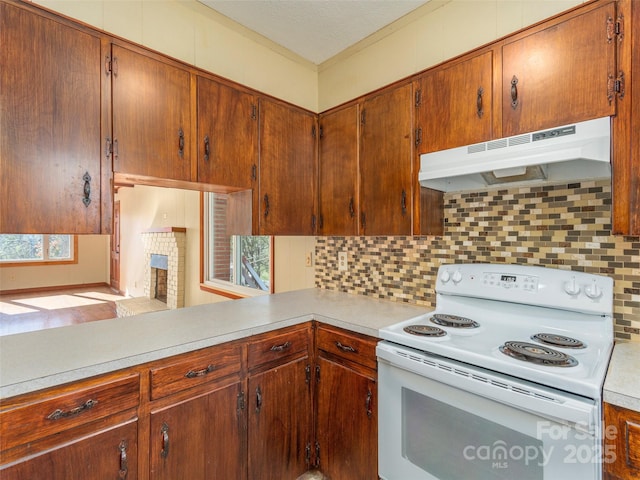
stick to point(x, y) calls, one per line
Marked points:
point(159, 274)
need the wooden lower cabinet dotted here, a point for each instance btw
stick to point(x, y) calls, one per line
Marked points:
point(621, 443)
point(244, 410)
point(107, 454)
point(279, 409)
point(346, 405)
point(199, 438)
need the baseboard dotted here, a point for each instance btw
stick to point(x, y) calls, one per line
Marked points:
point(52, 288)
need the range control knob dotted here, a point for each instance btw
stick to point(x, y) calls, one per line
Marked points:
point(572, 287)
point(457, 276)
point(445, 276)
point(593, 291)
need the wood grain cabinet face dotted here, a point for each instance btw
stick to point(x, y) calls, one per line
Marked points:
point(83, 430)
point(386, 155)
point(279, 405)
point(622, 443)
point(50, 110)
point(346, 417)
point(200, 438)
point(151, 116)
point(454, 104)
point(227, 135)
point(561, 74)
point(338, 172)
point(287, 192)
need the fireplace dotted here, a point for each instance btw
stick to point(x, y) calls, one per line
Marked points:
point(164, 250)
point(164, 257)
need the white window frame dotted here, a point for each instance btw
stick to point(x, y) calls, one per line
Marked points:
point(46, 260)
point(222, 286)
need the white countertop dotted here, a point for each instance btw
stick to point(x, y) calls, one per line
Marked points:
point(622, 385)
point(36, 360)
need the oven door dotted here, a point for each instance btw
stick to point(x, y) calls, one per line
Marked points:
point(440, 419)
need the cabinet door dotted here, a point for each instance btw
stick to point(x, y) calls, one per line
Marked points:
point(385, 163)
point(454, 105)
point(108, 454)
point(621, 442)
point(199, 439)
point(561, 74)
point(347, 423)
point(279, 409)
point(50, 117)
point(227, 135)
point(287, 200)
point(338, 172)
point(151, 116)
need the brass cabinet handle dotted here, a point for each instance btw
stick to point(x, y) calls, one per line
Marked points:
point(58, 414)
point(266, 206)
point(368, 402)
point(258, 400)
point(200, 373)
point(404, 203)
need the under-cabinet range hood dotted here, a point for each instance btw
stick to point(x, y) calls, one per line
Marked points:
point(568, 153)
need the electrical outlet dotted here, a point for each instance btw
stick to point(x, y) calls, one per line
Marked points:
point(343, 266)
point(308, 259)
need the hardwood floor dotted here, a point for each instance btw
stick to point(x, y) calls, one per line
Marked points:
point(26, 312)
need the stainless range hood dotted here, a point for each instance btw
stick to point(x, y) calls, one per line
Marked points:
point(568, 153)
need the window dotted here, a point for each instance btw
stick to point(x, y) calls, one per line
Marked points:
point(233, 265)
point(37, 249)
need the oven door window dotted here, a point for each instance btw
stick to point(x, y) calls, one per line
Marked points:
point(449, 442)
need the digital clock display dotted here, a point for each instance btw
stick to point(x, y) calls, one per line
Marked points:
point(508, 278)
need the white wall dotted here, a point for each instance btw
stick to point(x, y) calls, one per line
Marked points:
point(92, 267)
point(197, 35)
point(440, 30)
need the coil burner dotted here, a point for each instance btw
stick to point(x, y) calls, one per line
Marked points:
point(558, 340)
point(530, 352)
point(425, 331)
point(453, 321)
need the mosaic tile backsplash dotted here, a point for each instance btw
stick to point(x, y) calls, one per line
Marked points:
point(558, 226)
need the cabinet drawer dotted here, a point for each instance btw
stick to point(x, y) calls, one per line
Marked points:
point(278, 347)
point(347, 345)
point(193, 369)
point(60, 409)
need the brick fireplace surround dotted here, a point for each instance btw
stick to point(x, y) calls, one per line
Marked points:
point(169, 241)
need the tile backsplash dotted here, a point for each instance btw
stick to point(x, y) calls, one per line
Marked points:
point(558, 226)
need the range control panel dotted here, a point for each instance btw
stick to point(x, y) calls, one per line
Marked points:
point(528, 283)
point(541, 286)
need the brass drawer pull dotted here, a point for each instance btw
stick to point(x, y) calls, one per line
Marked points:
point(58, 414)
point(200, 373)
point(280, 348)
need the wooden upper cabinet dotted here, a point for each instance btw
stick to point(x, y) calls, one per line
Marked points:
point(454, 104)
point(151, 116)
point(287, 192)
point(50, 136)
point(338, 172)
point(386, 154)
point(561, 74)
point(227, 135)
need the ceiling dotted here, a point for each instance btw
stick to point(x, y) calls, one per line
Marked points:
point(316, 30)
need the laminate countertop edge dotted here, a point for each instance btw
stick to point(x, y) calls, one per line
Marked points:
point(37, 360)
point(622, 383)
